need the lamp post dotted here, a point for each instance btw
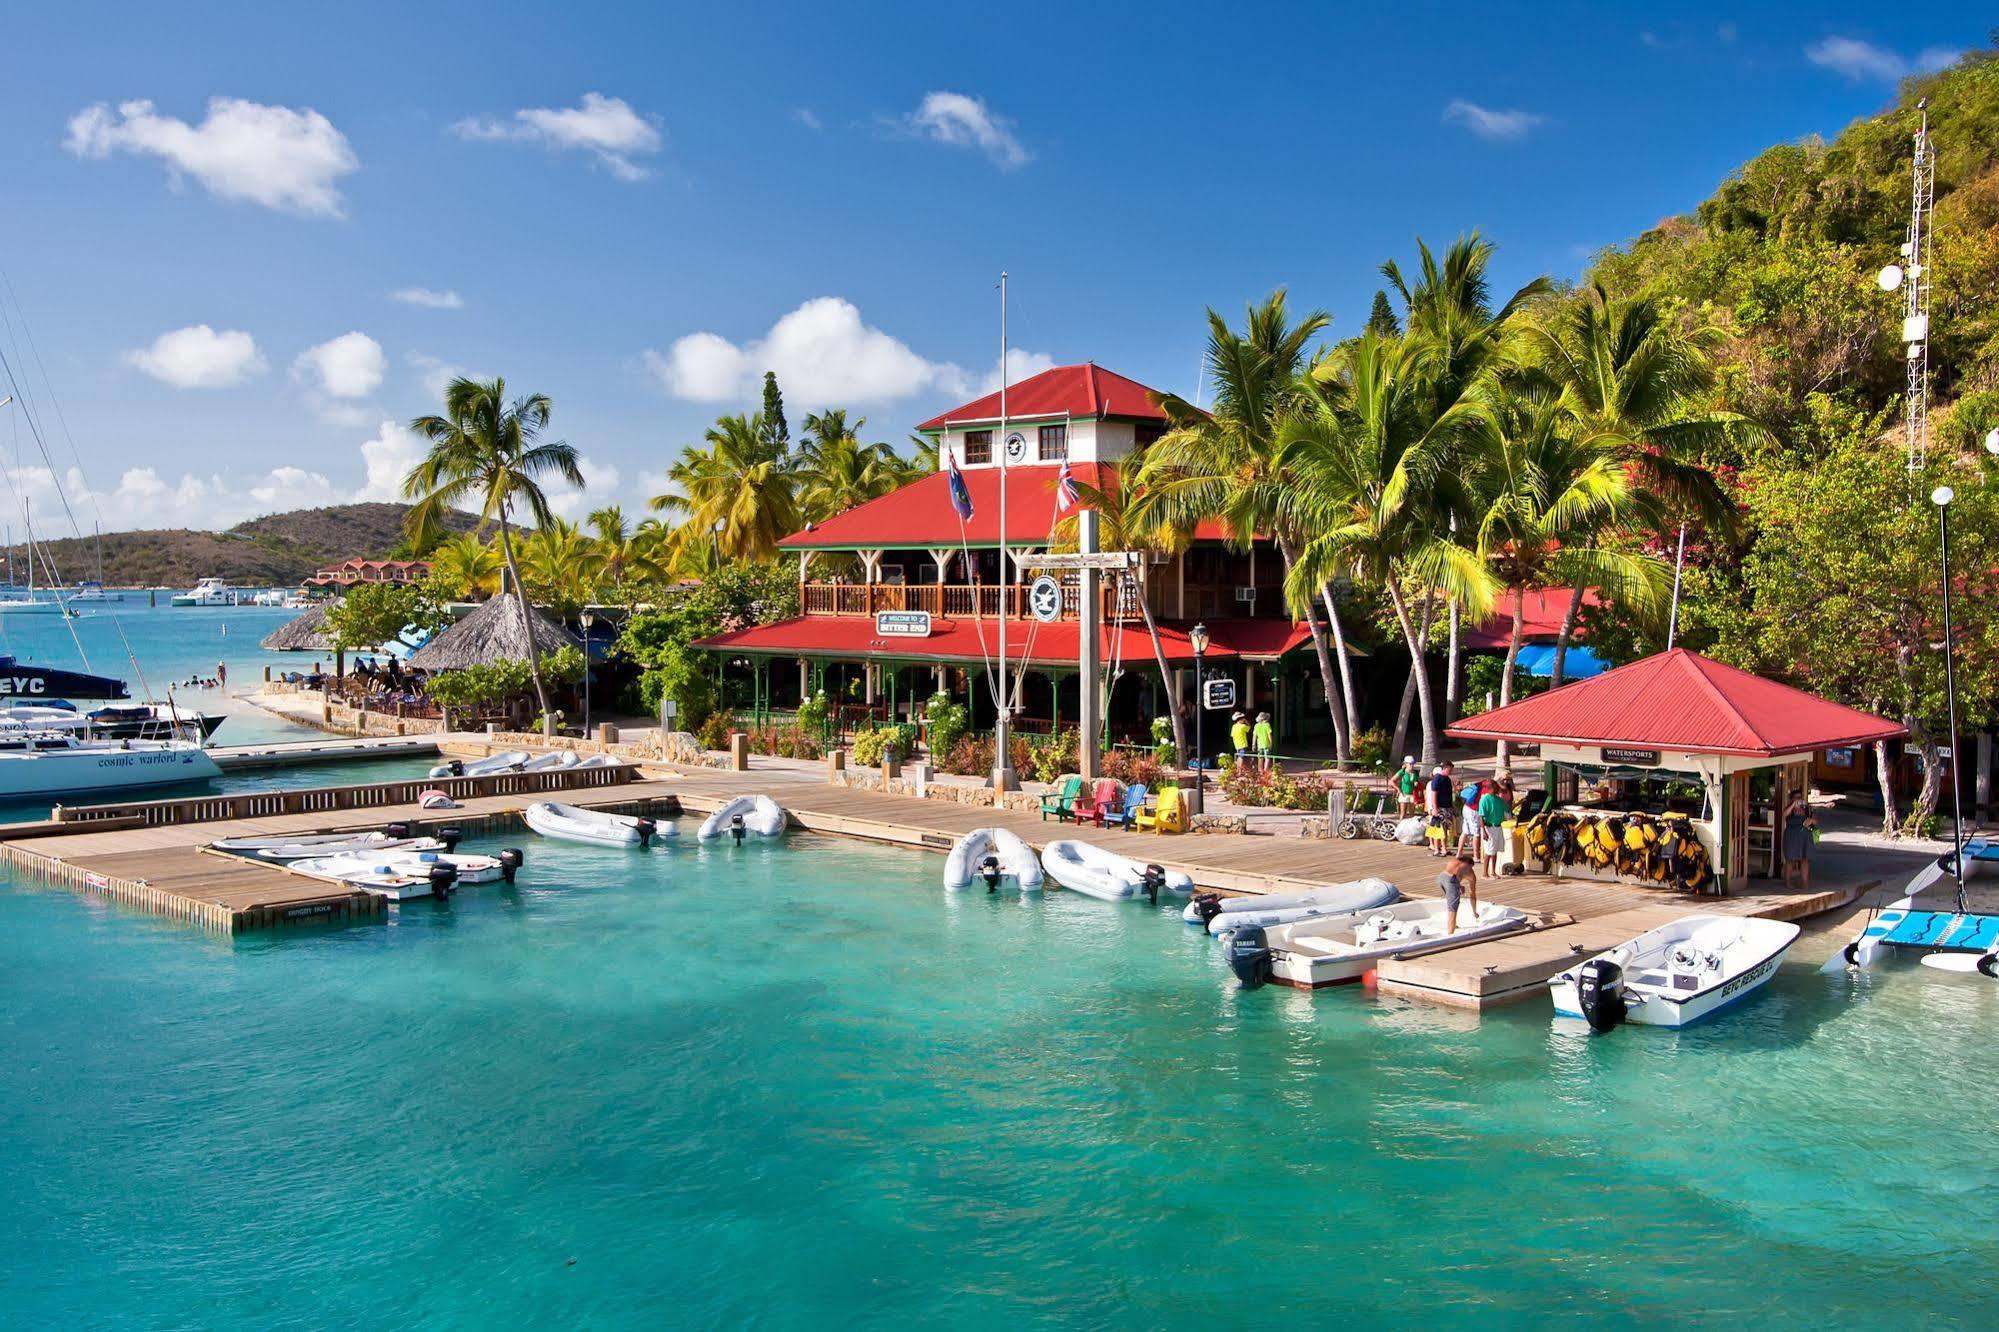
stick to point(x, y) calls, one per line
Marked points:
point(1941, 497)
point(587, 620)
point(1197, 638)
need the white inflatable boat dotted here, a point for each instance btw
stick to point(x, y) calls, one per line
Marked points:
point(757, 814)
point(511, 760)
point(1085, 867)
point(552, 760)
point(1333, 950)
point(366, 845)
point(568, 823)
point(1221, 915)
point(403, 875)
point(336, 840)
point(988, 855)
point(1675, 975)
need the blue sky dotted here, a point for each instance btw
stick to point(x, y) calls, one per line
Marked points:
point(212, 284)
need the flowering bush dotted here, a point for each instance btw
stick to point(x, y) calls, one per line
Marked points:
point(972, 756)
point(1255, 784)
point(1054, 756)
point(785, 741)
point(715, 728)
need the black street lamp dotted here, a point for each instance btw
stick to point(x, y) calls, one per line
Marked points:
point(588, 619)
point(1941, 497)
point(1197, 638)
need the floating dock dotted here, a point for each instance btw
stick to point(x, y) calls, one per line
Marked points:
point(291, 753)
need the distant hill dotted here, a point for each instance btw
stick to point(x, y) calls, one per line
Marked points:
point(277, 550)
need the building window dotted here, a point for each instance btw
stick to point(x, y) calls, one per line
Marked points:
point(978, 446)
point(1147, 432)
point(1054, 443)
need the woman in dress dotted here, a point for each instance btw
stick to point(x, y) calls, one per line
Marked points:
point(1798, 826)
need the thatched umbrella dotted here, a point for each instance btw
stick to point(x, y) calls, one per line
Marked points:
point(306, 633)
point(491, 633)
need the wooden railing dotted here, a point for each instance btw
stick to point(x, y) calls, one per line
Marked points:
point(952, 601)
point(327, 799)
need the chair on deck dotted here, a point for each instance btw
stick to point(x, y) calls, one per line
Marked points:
point(1062, 801)
point(1106, 801)
point(1171, 816)
point(1126, 816)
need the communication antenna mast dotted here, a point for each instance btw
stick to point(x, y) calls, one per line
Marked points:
point(1912, 276)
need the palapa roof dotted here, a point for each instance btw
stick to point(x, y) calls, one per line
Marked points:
point(489, 634)
point(305, 632)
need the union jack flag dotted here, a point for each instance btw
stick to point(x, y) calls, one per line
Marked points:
point(1066, 493)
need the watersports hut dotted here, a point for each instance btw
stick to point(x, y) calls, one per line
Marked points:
point(1672, 746)
point(489, 634)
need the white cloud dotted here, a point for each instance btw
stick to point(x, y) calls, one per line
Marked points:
point(606, 127)
point(822, 353)
point(962, 121)
point(349, 366)
point(1489, 124)
point(199, 357)
point(600, 482)
point(435, 375)
point(1860, 61)
point(270, 155)
point(1020, 364)
point(386, 459)
point(809, 118)
point(427, 298)
point(145, 499)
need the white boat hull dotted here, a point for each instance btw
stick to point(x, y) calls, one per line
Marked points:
point(101, 766)
point(1965, 964)
point(1084, 867)
point(761, 816)
point(1015, 858)
point(569, 823)
point(1686, 971)
point(1325, 900)
point(512, 760)
point(1339, 950)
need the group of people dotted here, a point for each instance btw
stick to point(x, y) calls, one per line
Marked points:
point(1479, 811)
point(1252, 740)
point(215, 681)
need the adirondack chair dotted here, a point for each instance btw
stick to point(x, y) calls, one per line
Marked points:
point(1062, 802)
point(1106, 799)
point(1134, 805)
point(1170, 816)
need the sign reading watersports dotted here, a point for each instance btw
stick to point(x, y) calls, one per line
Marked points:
point(902, 624)
point(1636, 758)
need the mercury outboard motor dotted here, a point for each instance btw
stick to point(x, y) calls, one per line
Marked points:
point(1248, 952)
point(646, 828)
point(989, 870)
point(443, 878)
point(511, 861)
point(736, 828)
point(450, 837)
point(399, 831)
point(1207, 906)
point(1153, 880)
point(1600, 993)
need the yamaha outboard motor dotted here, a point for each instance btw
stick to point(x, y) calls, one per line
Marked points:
point(1600, 993)
point(989, 870)
point(646, 829)
point(1207, 906)
point(1248, 952)
point(511, 861)
point(443, 878)
point(1152, 882)
point(736, 828)
point(450, 837)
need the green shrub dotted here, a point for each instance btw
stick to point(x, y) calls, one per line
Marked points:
point(714, 730)
point(867, 746)
point(1163, 751)
point(1055, 755)
point(814, 712)
point(947, 721)
point(1370, 747)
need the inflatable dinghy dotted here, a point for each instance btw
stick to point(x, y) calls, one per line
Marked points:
point(1336, 899)
point(987, 855)
point(1084, 867)
point(366, 845)
point(757, 814)
point(550, 762)
point(510, 761)
point(568, 823)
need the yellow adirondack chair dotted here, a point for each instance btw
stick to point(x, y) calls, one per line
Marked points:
point(1169, 816)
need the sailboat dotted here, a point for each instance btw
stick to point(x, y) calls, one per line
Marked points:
point(30, 604)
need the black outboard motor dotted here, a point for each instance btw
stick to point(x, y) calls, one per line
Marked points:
point(989, 870)
point(1248, 952)
point(1600, 993)
point(511, 861)
point(456, 767)
point(646, 829)
point(736, 828)
point(399, 831)
point(1988, 965)
point(450, 837)
point(443, 878)
point(1207, 906)
point(1153, 880)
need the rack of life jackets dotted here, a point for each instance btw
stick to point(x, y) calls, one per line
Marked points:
point(1665, 849)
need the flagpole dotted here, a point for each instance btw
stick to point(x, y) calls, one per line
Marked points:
point(1004, 777)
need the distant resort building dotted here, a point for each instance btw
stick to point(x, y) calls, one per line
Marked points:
point(909, 551)
point(339, 577)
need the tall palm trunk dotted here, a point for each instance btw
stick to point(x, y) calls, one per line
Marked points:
point(1165, 673)
point(1408, 703)
point(1346, 669)
point(1506, 673)
point(1556, 667)
point(1425, 710)
point(1342, 745)
point(1454, 669)
point(527, 623)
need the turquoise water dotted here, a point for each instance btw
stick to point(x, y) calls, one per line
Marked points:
point(801, 1086)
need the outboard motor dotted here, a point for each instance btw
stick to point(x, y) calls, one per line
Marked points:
point(1153, 880)
point(511, 861)
point(989, 870)
point(450, 837)
point(456, 767)
point(443, 878)
point(736, 828)
point(1248, 952)
point(646, 829)
point(1207, 906)
point(1600, 993)
point(399, 831)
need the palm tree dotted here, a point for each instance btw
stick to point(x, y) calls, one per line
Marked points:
point(737, 486)
point(625, 553)
point(488, 450)
point(841, 472)
point(922, 459)
point(467, 566)
point(1625, 369)
point(1228, 463)
point(560, 566)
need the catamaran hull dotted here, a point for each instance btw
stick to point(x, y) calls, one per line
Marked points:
point(57, 773)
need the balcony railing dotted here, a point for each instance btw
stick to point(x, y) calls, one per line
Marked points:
point(953, 601)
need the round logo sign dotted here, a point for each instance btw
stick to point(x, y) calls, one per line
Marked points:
point(1016, 446)
point(1044, 599)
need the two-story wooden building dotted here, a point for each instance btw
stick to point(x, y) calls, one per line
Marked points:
point(911, 552)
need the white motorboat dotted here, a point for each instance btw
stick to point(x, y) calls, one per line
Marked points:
point(757, 814)
point(207, 592)
point(1333, 900)
point(1085, 867)
point(1334, 950)
point(402, 876)
point(368, 844)
point(1675, 975)
point(42, 766)
point(989, 855)
point(511, 760)
point(570, 823)
point(336, 839)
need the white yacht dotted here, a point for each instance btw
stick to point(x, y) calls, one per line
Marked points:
point(207, 592)
point(47, 766)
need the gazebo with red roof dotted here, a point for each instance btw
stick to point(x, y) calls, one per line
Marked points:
point(1679, 713)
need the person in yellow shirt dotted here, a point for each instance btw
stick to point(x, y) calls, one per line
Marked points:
point(1239, 736)
point(1261, 738)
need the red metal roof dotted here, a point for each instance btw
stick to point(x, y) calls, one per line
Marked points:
point(1542, 622)
point(965, 640)
point(1085, 392)
point(1682, 701)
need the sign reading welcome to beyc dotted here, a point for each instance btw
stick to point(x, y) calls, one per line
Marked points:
point(1637, 758)
point(902, 624)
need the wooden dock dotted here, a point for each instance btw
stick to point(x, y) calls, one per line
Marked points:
point(291, 753)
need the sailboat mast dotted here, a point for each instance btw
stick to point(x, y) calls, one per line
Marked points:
point(1004, 777)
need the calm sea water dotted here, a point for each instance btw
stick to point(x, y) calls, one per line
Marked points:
point(801, 1086)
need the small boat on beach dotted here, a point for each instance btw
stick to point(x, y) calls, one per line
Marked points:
point(1226, 915)
point(1085, 867)
point(1675, 975)
point(571, 823)
point(1336, 950)
point(989, 855)
point(757, 814)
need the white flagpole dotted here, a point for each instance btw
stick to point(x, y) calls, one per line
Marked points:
point(1004, 777)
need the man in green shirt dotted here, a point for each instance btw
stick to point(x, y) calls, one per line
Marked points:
point(1261, 738)
point(1493, 812)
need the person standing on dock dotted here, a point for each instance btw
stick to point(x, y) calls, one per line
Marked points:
point(1407, 780)
point(1437, 804)
point(1494, 809)
point(1458, 881)
point(1262, 739)
point(1239, 736)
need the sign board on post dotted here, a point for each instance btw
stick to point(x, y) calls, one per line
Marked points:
point(902, 624)
point(1217, 694)
point(1107, 559)
point(1044, 599)
point(668, 710)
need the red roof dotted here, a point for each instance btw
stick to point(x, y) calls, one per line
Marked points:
point(1542, 622)
point(1085, 392)
point(975, 641)
point(1682, 701)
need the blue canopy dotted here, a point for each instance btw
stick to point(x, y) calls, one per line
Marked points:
point(1538, 660)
